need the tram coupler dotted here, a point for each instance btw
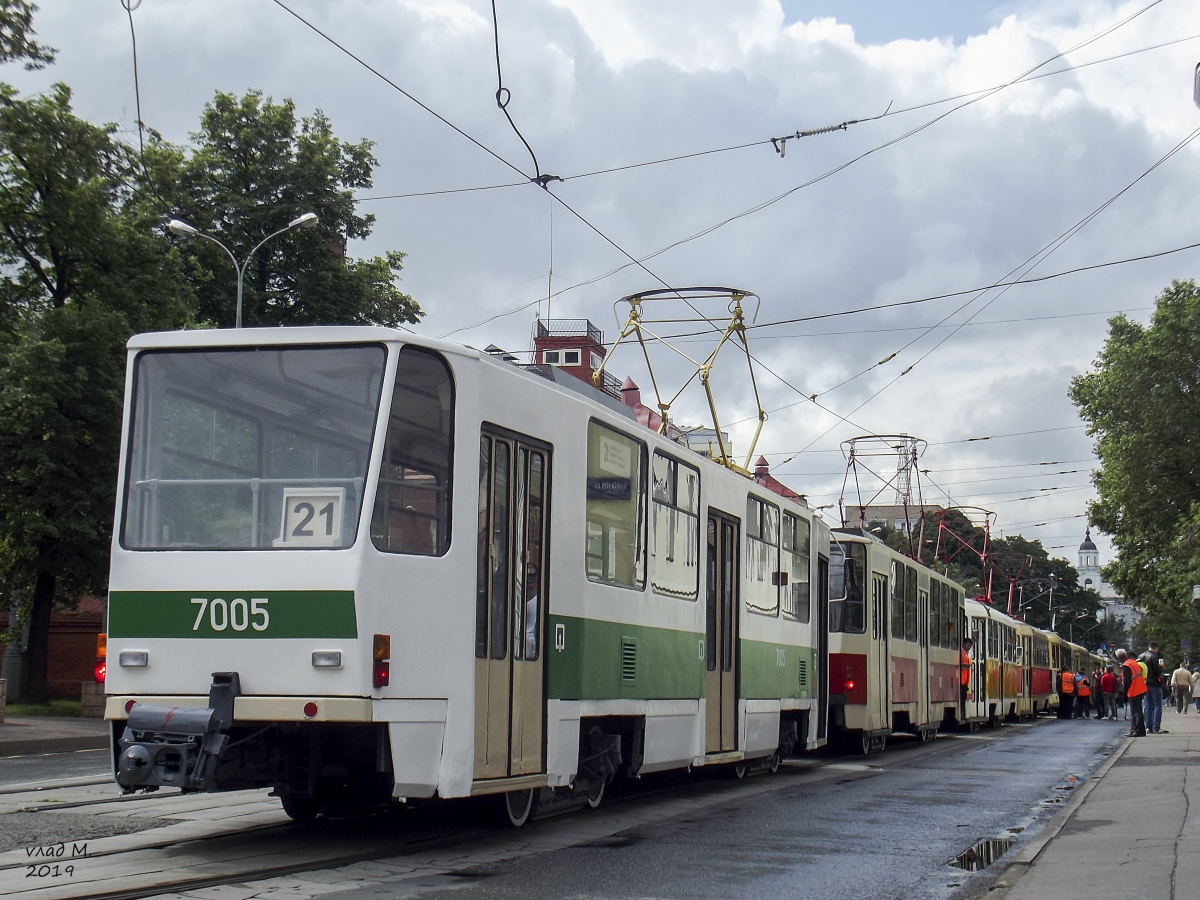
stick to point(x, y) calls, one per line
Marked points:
point(178, 746)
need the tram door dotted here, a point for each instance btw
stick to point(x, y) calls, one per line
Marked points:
point(513, 533)
point(722, 597)
point(923, 710)
point(881, 715)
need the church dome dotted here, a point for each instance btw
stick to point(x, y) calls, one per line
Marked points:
point(1087, 545)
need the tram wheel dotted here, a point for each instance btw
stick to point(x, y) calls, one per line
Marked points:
point(299, 808)
point(519, 806)
point(595, 794)
point(773, 762)
point(740, 770)
point(866, 743)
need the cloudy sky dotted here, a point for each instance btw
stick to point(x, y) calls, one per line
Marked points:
point(1007, 126)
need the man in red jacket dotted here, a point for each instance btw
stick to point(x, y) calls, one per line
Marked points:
point(1108, 694)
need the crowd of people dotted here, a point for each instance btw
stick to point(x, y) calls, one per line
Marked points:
point(1134, 686)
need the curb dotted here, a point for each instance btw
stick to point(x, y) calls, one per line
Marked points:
point(1023, 861)
point(27, 746)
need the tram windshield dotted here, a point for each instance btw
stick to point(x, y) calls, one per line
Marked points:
point(847, 606)
point(250, 448)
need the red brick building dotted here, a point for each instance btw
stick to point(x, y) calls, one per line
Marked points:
point(72, 647)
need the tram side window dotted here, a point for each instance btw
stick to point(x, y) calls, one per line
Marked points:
point(762, 557)
point(616, 508)
point(412, 502)
point(953, 615)
point(675, 550)
point(937, 629)
point(797, 601)
point(847, 604)
point(910, 604)
point(899, 599)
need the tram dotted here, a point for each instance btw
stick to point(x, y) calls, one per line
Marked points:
point(893, 643)
point(354, 564)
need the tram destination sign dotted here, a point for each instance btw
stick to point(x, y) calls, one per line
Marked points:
point(231, 614)
point(609, 488)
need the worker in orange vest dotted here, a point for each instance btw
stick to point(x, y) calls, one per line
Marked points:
point(1066, 693)
point(1083, 695)
point(1135, 690)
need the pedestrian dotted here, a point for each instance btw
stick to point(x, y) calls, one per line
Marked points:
point(1108, 694)
point(1135, 688)
point(1066, 693)
point(1083, 695)
point(1097, 696)
point(1181, 684)
point(1196, 693)
point(1154, 688)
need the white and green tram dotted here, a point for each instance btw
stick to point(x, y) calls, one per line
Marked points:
point(354, 564)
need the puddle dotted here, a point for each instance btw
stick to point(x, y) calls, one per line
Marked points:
point(982, 854)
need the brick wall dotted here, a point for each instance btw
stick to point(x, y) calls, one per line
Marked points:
point(72, 646)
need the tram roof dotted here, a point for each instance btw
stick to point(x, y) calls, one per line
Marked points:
point(291, 334)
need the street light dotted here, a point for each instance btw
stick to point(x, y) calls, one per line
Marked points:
point(183, 229)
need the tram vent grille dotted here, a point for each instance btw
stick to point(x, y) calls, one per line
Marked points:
point(804, 673)
point(628, 659)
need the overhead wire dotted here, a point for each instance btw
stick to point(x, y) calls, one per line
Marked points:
point(759, 207)
point(1034, 260)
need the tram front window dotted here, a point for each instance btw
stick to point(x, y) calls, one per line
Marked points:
point(250, 448)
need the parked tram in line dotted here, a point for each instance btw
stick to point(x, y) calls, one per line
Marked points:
point(894, 637)
point(354, 564)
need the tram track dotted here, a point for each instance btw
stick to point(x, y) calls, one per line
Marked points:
point(411, 844)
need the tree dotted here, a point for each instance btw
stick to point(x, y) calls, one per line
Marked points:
point(1142, 402)
point(81, 272)
point(16, 36)
point(253, 169)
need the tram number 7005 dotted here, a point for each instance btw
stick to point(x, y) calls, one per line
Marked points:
point(237, 613)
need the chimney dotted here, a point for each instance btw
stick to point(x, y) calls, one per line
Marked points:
point(761, 468)
point(631, 394)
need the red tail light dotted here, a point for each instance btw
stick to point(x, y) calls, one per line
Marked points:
point(849, 684)
point(381, 674)
point(100, 670)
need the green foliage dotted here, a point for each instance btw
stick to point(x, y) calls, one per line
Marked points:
point(1142, 402)
point(253, 169)
point(16, 36)
point(53, 708)
point(81, 272)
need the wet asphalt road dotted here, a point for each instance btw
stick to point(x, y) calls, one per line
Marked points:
point(49, 767)
point(883, 826)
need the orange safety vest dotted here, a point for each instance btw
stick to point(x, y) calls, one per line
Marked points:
point(1068, 683)
point(965, 666)
point(1084, 690)
point(1137, 685)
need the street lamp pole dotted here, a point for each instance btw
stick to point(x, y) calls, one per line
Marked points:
point(183, 229)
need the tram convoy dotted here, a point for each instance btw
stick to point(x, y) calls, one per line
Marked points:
point(354, 564)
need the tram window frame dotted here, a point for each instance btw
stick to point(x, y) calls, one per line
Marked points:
point(911, 621)
point(761, 577)
point(416, 450)
point(604, 477)
point(796, 552)
point(246, 490)
point(847, 603)
point(936, 614)
point(665, 501)
point(899, 600)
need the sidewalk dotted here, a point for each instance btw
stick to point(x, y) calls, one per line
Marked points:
point(21, 735)
point(1127, 831)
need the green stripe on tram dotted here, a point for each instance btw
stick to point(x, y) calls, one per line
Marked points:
point(776, 671)
point(590, 659)
point(232, 614)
